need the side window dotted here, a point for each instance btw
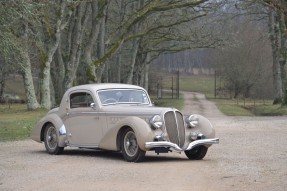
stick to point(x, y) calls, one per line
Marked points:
point(80, 99)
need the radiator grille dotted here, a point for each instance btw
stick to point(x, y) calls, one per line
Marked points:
point(175, 127)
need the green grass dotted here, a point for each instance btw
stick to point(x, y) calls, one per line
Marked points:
point(202, 84)
point(268, 110)
point(229, 108)
point(16, 123)
point(167, 101)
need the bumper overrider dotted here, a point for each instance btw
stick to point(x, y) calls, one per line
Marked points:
point(175, 147)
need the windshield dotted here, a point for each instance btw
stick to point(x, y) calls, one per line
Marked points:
point(123, 96)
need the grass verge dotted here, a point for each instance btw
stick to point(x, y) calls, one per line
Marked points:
point(232, 109)
point(203, 84)
point(249, 107)
point(167, 101)
point(16, 122)
point(268, 110)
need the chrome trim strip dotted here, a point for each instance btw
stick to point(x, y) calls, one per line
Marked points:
point(202, 142)
point(84, 146)
point(109, 113)
point(179, 141)
point(149, 145)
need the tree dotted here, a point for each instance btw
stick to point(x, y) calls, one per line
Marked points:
point(66, 43)
point(51, 45)
point(16, 18)
point(277, 14)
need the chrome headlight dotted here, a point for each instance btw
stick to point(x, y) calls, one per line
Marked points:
point(192, 120)
point(156, 122)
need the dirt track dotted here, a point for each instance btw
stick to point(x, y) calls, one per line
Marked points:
point(252, 155)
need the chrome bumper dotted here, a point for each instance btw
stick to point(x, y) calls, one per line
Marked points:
point(149, 145)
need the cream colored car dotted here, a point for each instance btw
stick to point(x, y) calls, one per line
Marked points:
point(121, 117)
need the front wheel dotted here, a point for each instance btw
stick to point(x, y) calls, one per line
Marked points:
point(51, 140)
point(130, 148)
point(196, 153)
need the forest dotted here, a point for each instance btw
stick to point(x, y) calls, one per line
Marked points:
point(54, 45)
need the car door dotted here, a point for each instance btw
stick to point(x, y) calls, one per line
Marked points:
point(85, 124)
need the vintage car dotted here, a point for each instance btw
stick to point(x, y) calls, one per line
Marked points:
point(121, 117)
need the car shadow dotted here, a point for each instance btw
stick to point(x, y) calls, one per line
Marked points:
point(111, 155)
point(154, 159)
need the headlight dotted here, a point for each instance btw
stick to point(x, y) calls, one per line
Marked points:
point(192, 120)
point(156, 121)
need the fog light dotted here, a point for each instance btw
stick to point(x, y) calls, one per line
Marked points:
point(158, 138)
point(200, 136)
point(193, 136)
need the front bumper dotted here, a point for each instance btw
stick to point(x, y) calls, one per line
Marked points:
point(175, 147)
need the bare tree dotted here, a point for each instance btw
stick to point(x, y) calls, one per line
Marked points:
point(277, 13)
point(51, 46)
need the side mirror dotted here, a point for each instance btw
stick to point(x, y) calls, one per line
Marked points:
point(93, 106)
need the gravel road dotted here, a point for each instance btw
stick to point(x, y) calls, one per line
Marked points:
point(252, 155)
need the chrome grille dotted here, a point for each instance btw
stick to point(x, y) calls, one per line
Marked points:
point(180, 127)
point(175, 127)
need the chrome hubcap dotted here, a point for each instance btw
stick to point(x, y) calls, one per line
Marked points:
point(131, 145)
point(52, 138)
point(128, 143)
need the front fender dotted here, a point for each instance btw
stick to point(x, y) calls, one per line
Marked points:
point(37, 132)
point(141, 128)
point(204, 127)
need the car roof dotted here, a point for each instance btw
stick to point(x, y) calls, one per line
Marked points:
point(100, 86)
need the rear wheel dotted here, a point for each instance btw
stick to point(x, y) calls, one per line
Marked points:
point(51, 140)
point(130, 148)
point(196, 153)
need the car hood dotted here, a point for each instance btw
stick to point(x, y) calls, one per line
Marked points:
point(136, 110)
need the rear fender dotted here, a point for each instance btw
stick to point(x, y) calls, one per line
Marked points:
point(38, 132)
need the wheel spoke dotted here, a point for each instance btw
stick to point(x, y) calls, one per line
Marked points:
point(131, 146)
point(52, 138)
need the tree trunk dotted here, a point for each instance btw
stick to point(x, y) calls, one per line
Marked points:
point(275, 44)
point(146, 70)
point(31, 99)
point(75, 38)
point(135, 48)
point(101, 43)
point(52, 92)
point(119, 64)
point(3, 74)
point(119, 53)
point(91, 43)
point(283, 54)
point(58, 75)
point(45, 87)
